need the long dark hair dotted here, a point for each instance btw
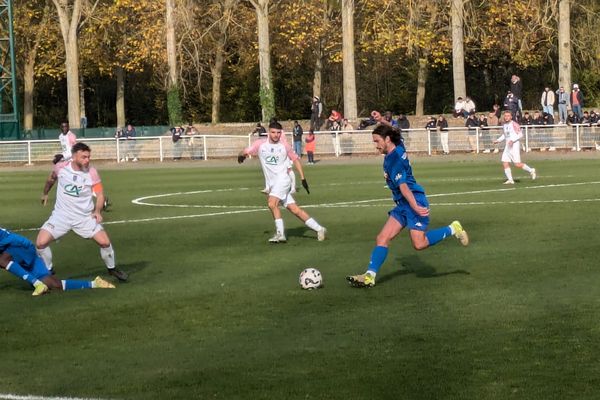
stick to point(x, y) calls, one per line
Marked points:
point(394, 134)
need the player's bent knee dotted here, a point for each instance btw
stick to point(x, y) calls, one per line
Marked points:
point(420, 245)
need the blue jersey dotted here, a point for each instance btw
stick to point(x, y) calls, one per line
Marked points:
point(397, 170)
point(20, 248)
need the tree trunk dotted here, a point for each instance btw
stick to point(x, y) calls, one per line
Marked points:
point(28, 89)
point(564, 45)
point(171, 47)
point(120, 101)
point(82, 116)
point(69, 27)
point(216, 85)
point(421, 81)
point(318, 75)
point(458, 51)
point(350, 105)
point(267, 96)
point(173, 100)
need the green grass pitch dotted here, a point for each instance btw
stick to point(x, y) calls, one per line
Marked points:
point(212, 311)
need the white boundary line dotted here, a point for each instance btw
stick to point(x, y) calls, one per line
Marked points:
point(9, 396)
point(349, 204)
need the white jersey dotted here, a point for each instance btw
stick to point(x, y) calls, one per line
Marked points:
point(74, 190)
point(512, 133)
point(274, 159)
point(66, 143)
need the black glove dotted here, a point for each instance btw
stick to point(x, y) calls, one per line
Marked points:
point(305, 185)
point(241, 158)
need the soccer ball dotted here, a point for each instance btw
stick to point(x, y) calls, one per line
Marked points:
point(310, 279)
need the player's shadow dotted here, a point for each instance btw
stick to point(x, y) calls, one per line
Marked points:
point(131, 269)
point(301, 232)
point(414, 265)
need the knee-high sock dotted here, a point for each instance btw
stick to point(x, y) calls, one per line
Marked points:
point(279, 226)
point(313, 224)
point(508, 173)
point(437, 235)
point(73, 284)
point(18, 271)
point(108, 255)
point(378, 256)
point(46, 255)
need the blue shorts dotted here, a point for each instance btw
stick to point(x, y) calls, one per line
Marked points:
point(27, 258)
point(407, 217)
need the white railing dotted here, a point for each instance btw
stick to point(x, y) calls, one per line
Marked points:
point(338, 143)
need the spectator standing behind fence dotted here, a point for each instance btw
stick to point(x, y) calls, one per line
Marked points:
point(316, 112)
point(516, 87)
point(176, 133)
point(311, 145)
point(442, 125)
point(577, 101)
point(403, 122)
point(192, 132)
point(563, 104)
point(129, 135)
point(472, 123)
point(511, 104)
point(297, 138)
point(547, 101)
point(260, 130)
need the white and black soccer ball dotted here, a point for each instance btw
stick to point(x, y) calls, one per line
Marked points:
point(311, 278)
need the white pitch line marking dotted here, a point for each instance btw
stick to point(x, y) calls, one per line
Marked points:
point(8, 396)
point(353, 204)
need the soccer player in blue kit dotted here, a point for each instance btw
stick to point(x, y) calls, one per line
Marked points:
point(19, 257)
point(412, 207)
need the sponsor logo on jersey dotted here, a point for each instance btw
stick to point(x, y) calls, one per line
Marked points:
point(73, 190)
point(271, 160)
point(398, 177)
point(419, 224)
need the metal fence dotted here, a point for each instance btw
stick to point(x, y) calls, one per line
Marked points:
point(204, 147)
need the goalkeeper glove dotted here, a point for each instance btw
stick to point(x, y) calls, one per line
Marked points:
point(241, 158)
point(305, 185)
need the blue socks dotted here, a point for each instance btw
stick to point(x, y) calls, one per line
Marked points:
point(18, 271)
point(378, 256)
point(437, 235)
point(72, 284)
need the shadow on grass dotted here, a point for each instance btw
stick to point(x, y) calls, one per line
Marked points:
point(131, 269)
point(414, 265)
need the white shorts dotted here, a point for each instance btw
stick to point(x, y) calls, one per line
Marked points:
point(59, 225)
point(283, 191)
point(512, 153)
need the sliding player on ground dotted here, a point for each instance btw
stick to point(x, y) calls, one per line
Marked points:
point(18, 256)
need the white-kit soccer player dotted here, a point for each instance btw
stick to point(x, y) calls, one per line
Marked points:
point(512, 151)
point(67, 141)
point(75, 209)
point(274, 155)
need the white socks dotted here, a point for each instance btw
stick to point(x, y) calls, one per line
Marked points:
point(526, 168)
point(279, 226)
point(108, 255)
point(46, 255)
point(314, 225)
point(508, 174)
